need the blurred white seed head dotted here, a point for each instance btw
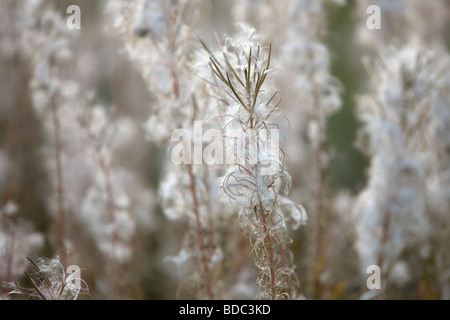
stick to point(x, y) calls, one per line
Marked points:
point(393, 212)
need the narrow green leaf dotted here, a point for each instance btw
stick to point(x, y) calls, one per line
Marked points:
point(47, 282)
point(257, 88)
point(204, 45)
point(218, 76)
point(249, 68)
point(270, 100)
point(217, 71)
point(35, 286)
point(270, 54)
point(62, 288)
point(271, 110)
point(265, 72)
point(234, 91)
point(211, 55)
point(234, 72)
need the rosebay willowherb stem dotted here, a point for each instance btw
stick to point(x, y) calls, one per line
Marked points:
point(256, 177)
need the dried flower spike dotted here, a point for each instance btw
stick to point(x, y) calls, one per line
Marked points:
point(255, 175)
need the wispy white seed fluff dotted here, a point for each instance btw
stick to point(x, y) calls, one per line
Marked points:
point(398, 210)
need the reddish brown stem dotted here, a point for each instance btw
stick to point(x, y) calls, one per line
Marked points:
point(208, 206)
point(104, 167)
point(59, 176)
point(270, 249)
point(106, 173)
point(196, 204)
point(200, 235)
point(10, 262)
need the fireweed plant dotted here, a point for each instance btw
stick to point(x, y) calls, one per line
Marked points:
point(311, 94)
point(179, 85)
point(256, 175)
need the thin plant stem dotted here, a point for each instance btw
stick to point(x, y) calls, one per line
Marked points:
point(200, 235)
point(270, 249)
point(59, 175)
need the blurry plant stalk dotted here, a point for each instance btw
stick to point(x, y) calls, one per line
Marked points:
point(248, 117)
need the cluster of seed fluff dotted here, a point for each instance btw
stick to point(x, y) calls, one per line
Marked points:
point(402, 207)
point(158, 36)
